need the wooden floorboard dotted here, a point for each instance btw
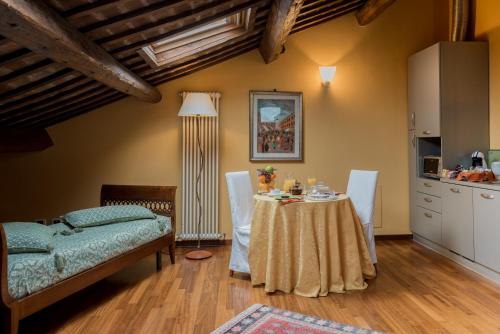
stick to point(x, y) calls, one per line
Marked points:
point(416, 291)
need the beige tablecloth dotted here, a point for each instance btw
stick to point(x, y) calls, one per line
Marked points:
point(310, 248)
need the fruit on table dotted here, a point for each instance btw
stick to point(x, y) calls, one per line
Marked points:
point(266, 178)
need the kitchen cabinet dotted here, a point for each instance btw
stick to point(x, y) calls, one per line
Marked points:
point(424, 92)
point(458, 219)
point(448, 98)
point(487, 227)
point(448, 116)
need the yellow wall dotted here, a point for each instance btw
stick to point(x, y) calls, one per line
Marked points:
point(488, 28)
point(358, 122)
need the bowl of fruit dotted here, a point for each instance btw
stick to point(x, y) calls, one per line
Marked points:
point(266, 178)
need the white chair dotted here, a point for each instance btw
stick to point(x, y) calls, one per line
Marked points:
point(240, 191)
point(361, 189)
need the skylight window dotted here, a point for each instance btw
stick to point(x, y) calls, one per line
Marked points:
point(176, 48)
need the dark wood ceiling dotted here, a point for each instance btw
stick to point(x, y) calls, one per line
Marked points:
point(36, 92)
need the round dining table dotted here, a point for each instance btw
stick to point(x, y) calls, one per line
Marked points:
point(309, 248)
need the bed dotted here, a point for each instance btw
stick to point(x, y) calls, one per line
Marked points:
point(32, 281)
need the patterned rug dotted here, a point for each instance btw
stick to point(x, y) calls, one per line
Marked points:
point(262, 319)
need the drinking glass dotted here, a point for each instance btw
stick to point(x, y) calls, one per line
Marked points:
point(288, 182)
point(311, 182)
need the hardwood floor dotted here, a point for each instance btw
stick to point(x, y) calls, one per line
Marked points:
point(416, 291)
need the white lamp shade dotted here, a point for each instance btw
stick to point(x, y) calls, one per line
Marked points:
point(197, 104)
point(327, 73)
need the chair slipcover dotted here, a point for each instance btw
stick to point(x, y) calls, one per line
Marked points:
point(240, 191)
point(361, 189)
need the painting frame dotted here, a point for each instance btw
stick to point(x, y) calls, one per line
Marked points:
point(256, 96)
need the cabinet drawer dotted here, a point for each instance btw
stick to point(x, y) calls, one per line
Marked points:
point(429, 202)
point(487, 228)
point(428, 224)
point(429, 187)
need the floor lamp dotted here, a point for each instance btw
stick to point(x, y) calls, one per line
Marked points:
point(198, 105)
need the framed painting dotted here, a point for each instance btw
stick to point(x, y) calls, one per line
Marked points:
point(275, 126)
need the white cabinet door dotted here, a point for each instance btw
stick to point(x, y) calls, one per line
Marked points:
point(487, 228)
point(424, 102)
point(458, 219)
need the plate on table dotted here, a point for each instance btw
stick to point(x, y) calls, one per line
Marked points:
point(281, 193)
point(321, 197)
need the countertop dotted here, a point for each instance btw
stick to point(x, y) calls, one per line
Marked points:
point(482, 185)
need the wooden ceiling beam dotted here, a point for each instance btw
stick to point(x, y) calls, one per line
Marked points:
point(104, 101)
point(371, 10)
point(13, 56)
point(132, 15)
point(197, 13)
point(20, 91)
point(26, 70)
point(54, 102)
point(33, 24)
point(328, 7)
point(75, 102)
point(279, 24)
point(79, 93)
point(48, 80)
point(91, 103)
point(328, 12)
point(91, 7)
point(312, 20)
point(312, 5)
point(65, 116)
point(39, 97)
point(86, 104)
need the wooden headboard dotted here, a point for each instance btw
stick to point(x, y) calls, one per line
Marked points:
point(159, 199)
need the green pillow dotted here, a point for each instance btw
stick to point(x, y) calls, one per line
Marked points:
point(28, 237)
point(107, 215)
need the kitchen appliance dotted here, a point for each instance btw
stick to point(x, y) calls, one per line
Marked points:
point(478, 160)
point(432, 166)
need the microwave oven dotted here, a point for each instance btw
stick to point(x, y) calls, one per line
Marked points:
point(432, 166)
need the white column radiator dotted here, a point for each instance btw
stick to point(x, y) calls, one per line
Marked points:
point(209, 181)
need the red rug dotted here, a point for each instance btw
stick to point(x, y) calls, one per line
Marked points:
point(262, 319)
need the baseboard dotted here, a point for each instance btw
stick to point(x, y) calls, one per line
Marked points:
point(381, 237)
point(204, 243)
point(471, 265)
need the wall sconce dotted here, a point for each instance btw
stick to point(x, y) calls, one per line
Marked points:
point(327, 74)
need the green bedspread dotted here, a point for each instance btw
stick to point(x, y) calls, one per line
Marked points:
point(74, 253)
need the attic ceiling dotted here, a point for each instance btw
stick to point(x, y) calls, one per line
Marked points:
point(37, 92)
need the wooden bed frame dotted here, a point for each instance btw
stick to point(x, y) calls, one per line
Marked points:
point(159, 199)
